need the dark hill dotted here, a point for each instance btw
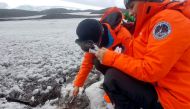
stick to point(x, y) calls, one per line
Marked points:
point(103, 10)
point(57, 11)
point(24, 13)
point(16, 13)
point(65, 16)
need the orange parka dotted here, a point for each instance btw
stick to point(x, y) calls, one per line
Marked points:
point(122, 36)
point(163, 61)
point(112, 19)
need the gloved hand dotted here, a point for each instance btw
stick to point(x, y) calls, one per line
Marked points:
point(87, 46)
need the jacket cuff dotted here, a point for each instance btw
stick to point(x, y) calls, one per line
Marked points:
point(109, 58)
point(77, 84)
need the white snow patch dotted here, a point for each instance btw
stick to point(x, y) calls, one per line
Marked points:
point(36, 91)
point(95, 95)
point(47, 105)
point(16, 88)
point(11, 105)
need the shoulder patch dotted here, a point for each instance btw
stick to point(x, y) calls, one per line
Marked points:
point(161, 30)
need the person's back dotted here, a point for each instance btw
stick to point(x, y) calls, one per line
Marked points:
point(175, 85)
point(172, 73)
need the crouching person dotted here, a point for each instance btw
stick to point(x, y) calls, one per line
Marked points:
point(92, 35)
point(157, 75)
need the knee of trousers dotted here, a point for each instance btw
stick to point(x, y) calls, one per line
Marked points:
point(110, 78)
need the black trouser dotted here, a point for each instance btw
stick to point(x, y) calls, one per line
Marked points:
point(126, 92)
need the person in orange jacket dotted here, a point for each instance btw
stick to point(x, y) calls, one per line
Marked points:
point(107, 33)
point(157, 74)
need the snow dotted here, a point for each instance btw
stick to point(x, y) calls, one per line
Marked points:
point(35, 55)
point(7, 105)
point(95, 94)
point(16, 88)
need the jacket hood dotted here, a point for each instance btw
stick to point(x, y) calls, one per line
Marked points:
point(148, 9)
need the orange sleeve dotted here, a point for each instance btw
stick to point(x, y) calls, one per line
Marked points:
point(124, 35)
point(85, 69)
point(160, 55)
point(125, 38)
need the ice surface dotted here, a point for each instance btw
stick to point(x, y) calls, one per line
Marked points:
point(35, 55)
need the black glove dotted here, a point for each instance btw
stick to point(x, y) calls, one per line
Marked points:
point(85, 45)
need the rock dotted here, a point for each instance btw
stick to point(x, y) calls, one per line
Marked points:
point(2, 95)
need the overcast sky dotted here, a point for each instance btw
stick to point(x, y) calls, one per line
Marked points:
point(83, 4)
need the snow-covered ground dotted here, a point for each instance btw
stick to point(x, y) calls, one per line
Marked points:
point(35, 55)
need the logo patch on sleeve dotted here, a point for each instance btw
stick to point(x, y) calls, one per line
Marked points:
point(161, 30)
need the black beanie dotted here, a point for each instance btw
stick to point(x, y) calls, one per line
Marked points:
point(89, 29)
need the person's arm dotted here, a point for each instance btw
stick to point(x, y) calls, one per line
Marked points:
point(86, 67)
point(126, 39)
point(161, 55)
point(124, 35)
